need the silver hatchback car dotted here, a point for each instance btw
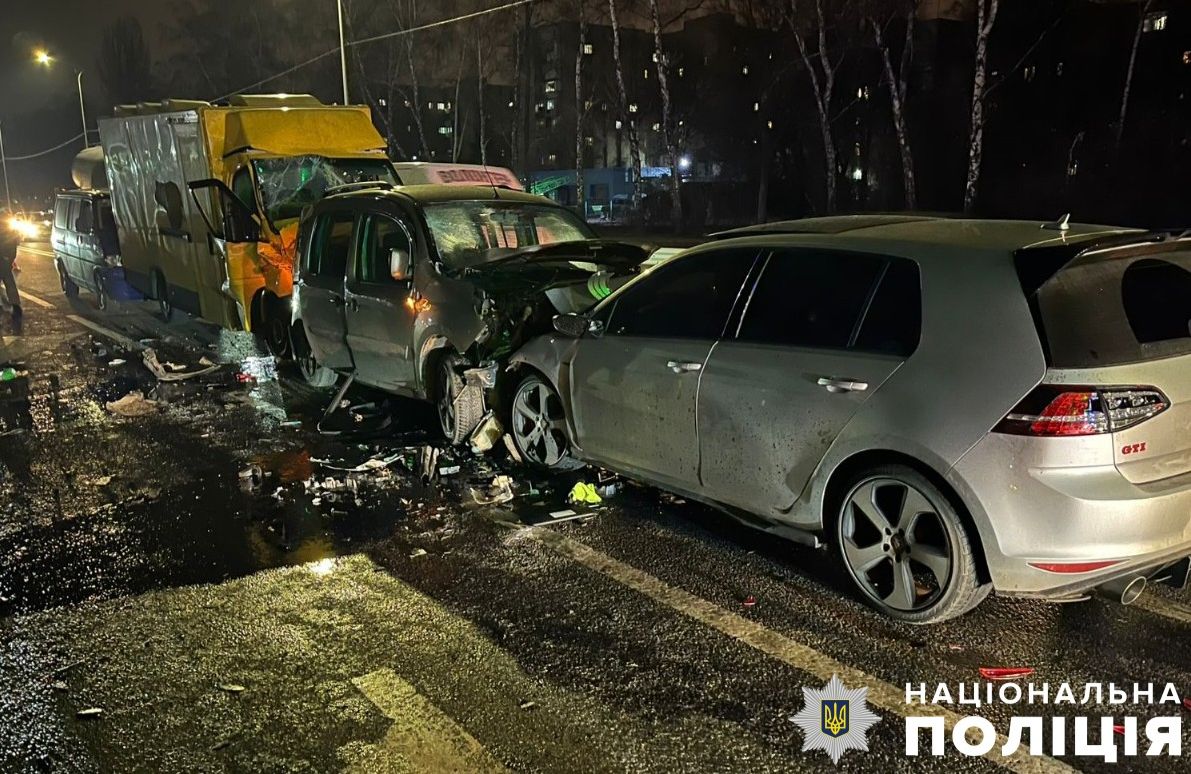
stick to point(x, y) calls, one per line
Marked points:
point(955, 406)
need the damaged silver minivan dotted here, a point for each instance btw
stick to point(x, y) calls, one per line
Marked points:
point(424, 290)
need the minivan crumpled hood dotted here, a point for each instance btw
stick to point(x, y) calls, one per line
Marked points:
point(543, 267)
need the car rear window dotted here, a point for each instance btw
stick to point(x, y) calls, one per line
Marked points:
point(1114, 308)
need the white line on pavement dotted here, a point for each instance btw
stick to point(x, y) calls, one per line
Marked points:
point(119, 338)
point(39, 301)
point(802, 657)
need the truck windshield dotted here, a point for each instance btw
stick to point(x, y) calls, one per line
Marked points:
point(290, 184)
point(470, 233)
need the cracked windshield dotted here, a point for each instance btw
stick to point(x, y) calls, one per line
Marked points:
point(290, 184)
point(471, 233)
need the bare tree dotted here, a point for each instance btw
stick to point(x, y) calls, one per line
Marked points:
point(986, 16)
point(630, 126)
point(822, 71)
point(1141, 19)
point(898, 84)
point(580, 112)
point(124, 61)
point(669, 140)
point(481, 82)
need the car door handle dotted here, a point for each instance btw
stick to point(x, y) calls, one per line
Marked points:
point(683, 366)
point(842, 385)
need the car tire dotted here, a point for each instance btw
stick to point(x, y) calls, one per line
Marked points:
point(537, 422)
point(904, 544)
point(68, 285)
point(102, 299)
point(459, 410)
point(271, 323)
point(161, 292)
point(315, 374)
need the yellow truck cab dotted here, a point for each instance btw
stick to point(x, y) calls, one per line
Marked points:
point(206, 198)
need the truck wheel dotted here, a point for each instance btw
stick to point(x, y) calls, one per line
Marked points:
point(459, 410)
point(101, 293)
point(161, 292)
point(68, 287)
point(315, 374)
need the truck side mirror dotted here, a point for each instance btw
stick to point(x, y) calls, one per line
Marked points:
point(399, 264)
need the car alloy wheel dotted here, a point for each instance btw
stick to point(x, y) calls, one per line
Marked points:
point(896, 545)
point(538, 424)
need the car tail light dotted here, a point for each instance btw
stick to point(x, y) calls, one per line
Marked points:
point(1052, 410)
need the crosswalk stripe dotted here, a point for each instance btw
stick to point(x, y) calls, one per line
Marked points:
point(802, 657)
point(422, 737)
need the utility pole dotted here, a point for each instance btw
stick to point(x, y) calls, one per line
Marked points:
point(83, 111)
point(4, 162)
point(342, 52)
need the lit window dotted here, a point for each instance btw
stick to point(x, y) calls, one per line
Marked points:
point(587, 104)
point(756, 107)
point(589, 141)
point(552, 158)
point(681, 123)
point(382, 102)
point(444, 130)
point(551, 87)
point(442, 106)
point(744, 70)
point(645, 75)
point(549, 104)
point(633, 108)
point(588, 48)
point(1154, 22)
point(619, 124)
point(657, 127)
point(769, 124)
point(510, 103)
point(681, 71)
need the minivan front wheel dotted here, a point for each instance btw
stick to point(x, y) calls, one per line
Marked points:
point(459, 410)
point(68, 285)
point(906, 548)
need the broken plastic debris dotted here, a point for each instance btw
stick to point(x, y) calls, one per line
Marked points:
point(499, 491)
point(231, 687)
point(90, 712)
point(251, 477)
point(171, 372)
point(527, 704)
point(244, 378)
point(134, 404)
point(448, 470)
point(512, 448)
point(1118, 729)
point(414, 554)
point(584, 492)
point(749, 601)
point(1005, 673)
point(486, 434)
point(118, 362)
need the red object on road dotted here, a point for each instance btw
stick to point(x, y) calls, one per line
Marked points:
point(1005, 673)
point(1119, 730)
point(245, 378)
point(749, 601)
point(1187, 704)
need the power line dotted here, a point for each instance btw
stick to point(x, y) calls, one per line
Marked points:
point(281, 74)
point(46, 152)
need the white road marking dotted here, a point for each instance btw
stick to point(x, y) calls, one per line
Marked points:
point(38, 301)
point(35, 251)
point(1164, 607)
point(802, 657)
point(119, 338)
point(422, 737)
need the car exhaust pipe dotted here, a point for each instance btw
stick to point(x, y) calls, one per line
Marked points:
point(1125, 590)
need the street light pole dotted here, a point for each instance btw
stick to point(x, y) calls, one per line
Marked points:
point(4, 162)
point(342, 52)
point(83, 110)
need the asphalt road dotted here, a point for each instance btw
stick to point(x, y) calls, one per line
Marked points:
point(311, 619)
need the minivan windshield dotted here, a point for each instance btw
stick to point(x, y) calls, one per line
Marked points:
point(470, 233)
point(290, 184)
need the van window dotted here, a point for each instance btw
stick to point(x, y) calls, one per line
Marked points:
point(382, 235)
point(1111, 309)
point(84, 222)
point(331, 245)
point(810, 298)
point(62, 213)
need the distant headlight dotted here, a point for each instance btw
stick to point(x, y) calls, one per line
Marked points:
point(25, 229)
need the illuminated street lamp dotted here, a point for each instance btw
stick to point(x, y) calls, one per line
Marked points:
point(43, 58)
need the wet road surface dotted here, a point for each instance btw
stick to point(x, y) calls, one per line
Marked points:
point(211, 577)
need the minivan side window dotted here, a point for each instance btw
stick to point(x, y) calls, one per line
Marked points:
point(62, 213)
point(810, 298)
point(331, 244)
point(381, 236)
point(688, 298)
point(85, 222)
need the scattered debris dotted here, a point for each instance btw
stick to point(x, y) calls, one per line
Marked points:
point(414, 554)
point(486, 434)
point(749, 601)
point(231, 688)
point(512, 447)
point(171, 372)
point(134, 404)
point(527, 705)
point(251, 477)
point(449, 470)
point(58, 685)
point(1187, 704)
point(499, 491)
point(90, 712)
point(1118, 729)
point(117, 362)
point(1005, 673)
point(585, 493)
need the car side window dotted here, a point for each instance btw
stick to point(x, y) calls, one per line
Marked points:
point(688, 298)
point(893, 323)
point(85, 221)
point(331, 244)
point(382, 235)
point(810, 298)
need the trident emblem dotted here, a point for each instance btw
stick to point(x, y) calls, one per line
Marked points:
point(835, 717)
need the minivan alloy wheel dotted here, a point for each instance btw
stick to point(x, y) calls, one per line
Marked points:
point(895, 544)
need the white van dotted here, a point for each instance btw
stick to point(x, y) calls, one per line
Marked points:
point(427, 173)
